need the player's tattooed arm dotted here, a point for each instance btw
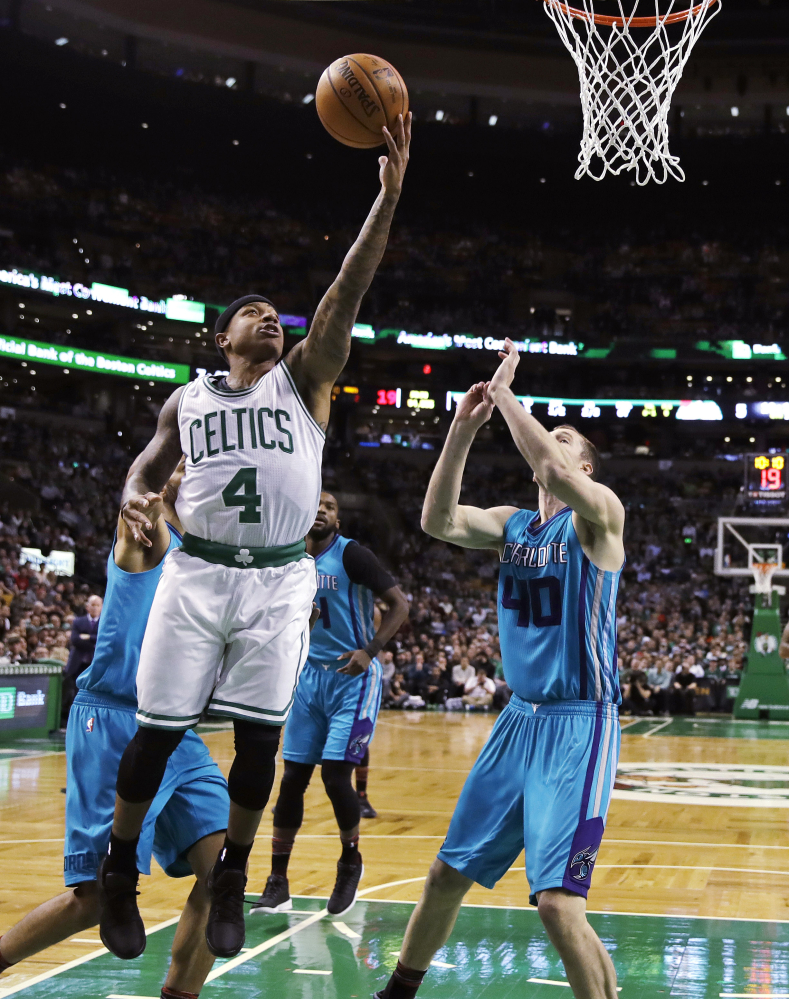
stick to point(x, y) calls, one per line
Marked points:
point(442, 516)
point(151, 470)
point(320, 357)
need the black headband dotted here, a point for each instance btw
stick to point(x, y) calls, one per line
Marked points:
point(223, 321)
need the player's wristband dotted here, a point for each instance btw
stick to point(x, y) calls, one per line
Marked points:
point(373, 648)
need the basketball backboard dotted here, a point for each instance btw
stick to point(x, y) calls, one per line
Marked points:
point(745, 541)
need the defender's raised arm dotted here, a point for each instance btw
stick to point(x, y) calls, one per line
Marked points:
point(549, 457)
point(442, 516)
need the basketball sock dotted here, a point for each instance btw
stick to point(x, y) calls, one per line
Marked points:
point(177, 994)
point(403, 983)
point(280, 855)
point(350, 851)
point(232, 856)
point(122, 855)
point(361, 781)
point(5, 965)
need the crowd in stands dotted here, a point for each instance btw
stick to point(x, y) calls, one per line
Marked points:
point(715, 280)
point(682, 631)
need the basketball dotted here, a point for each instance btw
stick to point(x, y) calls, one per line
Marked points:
point(357, 95)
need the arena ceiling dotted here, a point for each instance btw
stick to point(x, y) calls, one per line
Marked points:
point(512, 24)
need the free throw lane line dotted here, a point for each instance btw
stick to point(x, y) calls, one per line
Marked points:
point(287, 934)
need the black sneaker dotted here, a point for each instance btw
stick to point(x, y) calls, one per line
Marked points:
point(343, 898)
point(366, 809)
point(225, 931)
point(275, 897)
point(121, 928)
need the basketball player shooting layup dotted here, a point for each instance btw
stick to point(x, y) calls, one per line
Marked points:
point(229, 627)
point(543, 780)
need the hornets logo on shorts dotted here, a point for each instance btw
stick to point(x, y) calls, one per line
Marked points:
point(584, 861)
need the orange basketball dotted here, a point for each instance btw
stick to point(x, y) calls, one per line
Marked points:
point(356, 96)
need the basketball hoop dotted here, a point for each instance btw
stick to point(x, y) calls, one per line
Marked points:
point(629, 68)
point(763, 573)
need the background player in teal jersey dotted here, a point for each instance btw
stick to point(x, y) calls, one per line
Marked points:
point(544, 778)
point(185, 827)
point(337, 700)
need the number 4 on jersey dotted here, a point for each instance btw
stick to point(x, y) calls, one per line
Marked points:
point(242, 491)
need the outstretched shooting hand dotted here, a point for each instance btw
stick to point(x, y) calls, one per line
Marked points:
point(392, 167)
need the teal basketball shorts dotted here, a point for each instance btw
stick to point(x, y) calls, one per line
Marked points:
point(542, 782)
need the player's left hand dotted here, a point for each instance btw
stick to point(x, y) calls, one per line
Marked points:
point(358, 662)
point(505, 372)
point(393, 166)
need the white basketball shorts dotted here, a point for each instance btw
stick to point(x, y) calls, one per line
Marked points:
point(230, 640)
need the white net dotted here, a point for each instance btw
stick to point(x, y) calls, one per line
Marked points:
point(628, 70)
point(763, 573)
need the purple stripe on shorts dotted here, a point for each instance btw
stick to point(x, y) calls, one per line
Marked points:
point(590, 769)
point(582, 696)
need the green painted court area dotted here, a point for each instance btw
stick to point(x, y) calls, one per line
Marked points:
point(722, 727)
point(494, 952)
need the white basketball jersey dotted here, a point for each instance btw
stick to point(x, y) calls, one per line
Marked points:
point(253, 462)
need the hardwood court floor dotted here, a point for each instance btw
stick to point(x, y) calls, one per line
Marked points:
point(674, 858)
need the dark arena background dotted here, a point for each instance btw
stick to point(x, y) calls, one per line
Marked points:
point(159, 160)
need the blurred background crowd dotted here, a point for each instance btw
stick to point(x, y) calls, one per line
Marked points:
point(682, 631)
point(720, 276)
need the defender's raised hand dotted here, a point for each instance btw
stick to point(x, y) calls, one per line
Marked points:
point(393, 166)
point(474, 408)
point(505, 372)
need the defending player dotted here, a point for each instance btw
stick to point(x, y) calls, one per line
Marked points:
point(185, 825)
point(337, 703)
point(545, 775)
point(229, 625)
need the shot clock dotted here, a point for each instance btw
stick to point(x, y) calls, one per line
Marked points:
point(765, 477)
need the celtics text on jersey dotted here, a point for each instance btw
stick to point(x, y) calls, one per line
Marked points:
point(253, 462)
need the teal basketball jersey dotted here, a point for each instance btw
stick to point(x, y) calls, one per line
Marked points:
point(557, 614)
point(127, 604)
point(346, 622)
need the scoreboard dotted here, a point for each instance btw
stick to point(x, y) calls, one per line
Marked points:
point(765, 477)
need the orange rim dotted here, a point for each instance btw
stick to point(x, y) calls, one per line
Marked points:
point(631, 22)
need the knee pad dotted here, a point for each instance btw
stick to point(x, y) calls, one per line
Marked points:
point(336, 776)
point(252, 774)
point(289, 810)
point(143, 763)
